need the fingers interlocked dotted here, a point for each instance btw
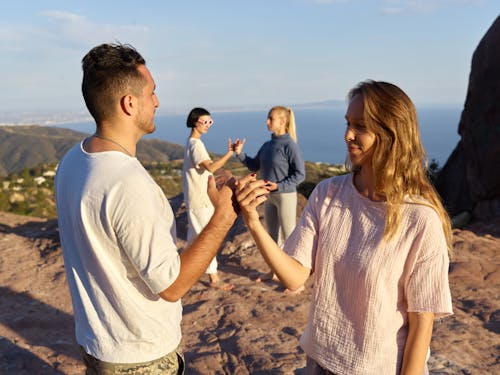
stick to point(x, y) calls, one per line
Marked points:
point(250, 192)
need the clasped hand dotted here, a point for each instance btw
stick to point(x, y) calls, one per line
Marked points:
point(250, 193)
point(237, 146)
point(238, 195)
point(220, 190)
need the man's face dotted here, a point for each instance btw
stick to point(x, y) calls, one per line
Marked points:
point(148, 102)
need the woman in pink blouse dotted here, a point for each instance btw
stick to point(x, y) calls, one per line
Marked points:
point(375, 240)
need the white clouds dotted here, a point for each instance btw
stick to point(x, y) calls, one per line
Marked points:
point(77, 29)
point(56, 30)
point(423, 6)
point(42, 55)
point(405, 6)
point(63, 16)
point(315, 49)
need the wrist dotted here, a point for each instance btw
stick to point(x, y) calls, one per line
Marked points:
point(252, 222)
point(224, 217)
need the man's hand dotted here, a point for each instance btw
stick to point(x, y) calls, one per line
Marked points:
point(221, 193)
point(223, 176)
point(196, 257)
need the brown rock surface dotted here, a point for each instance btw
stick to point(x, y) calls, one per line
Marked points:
point(252, 330)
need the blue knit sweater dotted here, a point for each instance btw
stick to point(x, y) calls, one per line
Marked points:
point(279, 160)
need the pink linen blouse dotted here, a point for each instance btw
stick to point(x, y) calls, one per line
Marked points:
point(364, 287)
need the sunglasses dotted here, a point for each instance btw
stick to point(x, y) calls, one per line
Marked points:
point(206, 122)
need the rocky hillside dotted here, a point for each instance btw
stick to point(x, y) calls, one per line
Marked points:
point(31, 191)
point(252, 330)
point(26, 146)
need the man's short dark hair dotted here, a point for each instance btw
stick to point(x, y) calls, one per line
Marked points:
point(195, 115)
point(109, 73)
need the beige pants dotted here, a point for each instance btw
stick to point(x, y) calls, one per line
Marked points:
point(280, 215)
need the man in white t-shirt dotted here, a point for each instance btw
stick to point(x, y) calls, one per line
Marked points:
point(117, 228)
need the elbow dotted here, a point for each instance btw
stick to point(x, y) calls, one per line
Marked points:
point(171, 299)
point(301, 175)
point(295, 288)
point(211, 168)
point(170, 296)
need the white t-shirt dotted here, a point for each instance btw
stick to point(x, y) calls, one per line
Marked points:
point(364, 288)
point(194, 176)
point(118, 237)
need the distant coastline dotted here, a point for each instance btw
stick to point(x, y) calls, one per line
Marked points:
point(320, 128)
point(50, 118)
point(43, 118)
point(320, 131)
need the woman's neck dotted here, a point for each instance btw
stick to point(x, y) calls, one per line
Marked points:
point(279, 133)
point(364, 181)
point(195, 134)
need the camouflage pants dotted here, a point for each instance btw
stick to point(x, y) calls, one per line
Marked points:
point(312, 368)
point(170, 364)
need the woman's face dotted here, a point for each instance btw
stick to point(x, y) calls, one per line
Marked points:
point(203, 124)
point(359, 140)
point(275, 123)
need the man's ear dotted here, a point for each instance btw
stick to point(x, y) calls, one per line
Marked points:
point(127, 104)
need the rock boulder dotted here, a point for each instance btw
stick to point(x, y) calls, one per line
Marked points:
point(470, 179)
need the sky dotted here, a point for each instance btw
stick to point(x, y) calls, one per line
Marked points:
point(241, 54)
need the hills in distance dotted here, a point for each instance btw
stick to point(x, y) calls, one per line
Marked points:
point(26, 146)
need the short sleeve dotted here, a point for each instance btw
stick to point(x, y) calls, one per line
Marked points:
point(427, 288)
point(302, 243)
point(145, 227)
point(198, 152)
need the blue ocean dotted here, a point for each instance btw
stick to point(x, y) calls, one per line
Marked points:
point(320, 132)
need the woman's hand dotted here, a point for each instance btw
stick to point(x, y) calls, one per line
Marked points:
point(272, 186)
point(238, 145)
point(230, 146)
point(250, 192)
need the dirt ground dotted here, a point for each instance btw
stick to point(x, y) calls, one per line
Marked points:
point(253, 329)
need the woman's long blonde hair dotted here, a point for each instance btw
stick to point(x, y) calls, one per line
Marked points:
point(289, 117)
point(399, 160)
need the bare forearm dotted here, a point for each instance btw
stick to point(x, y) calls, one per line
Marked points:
point(291, 273)
point(219, 163)
point(417, 343)
point(196, 258)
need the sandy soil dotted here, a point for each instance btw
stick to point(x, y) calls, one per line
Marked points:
point(252, 330)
